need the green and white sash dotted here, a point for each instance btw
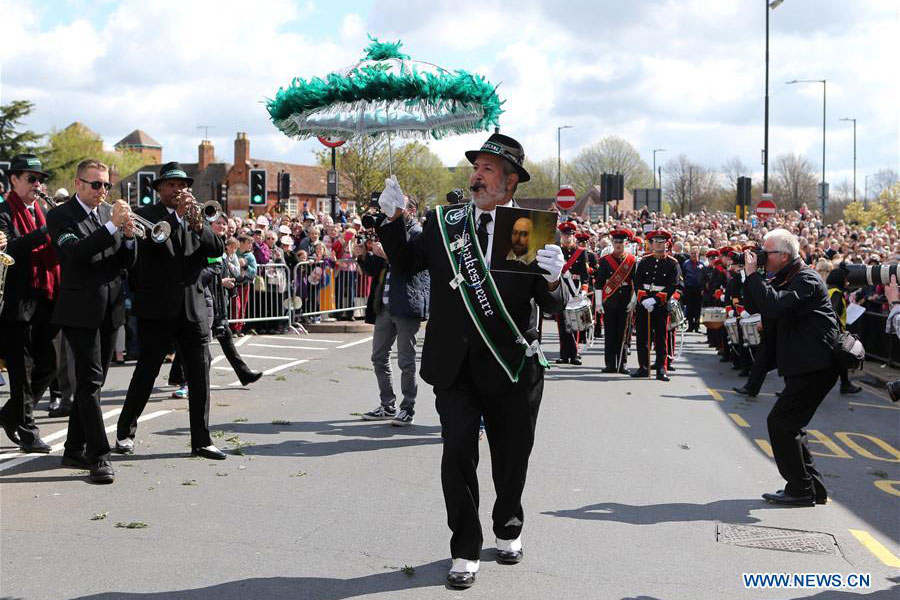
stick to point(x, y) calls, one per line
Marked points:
point(479, 292)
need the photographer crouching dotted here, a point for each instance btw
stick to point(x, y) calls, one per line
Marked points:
point(797, 303)
point(397, 305)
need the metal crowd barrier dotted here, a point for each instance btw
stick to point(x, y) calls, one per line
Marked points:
point(879, 345)
point(329, 288)
point(265, 300)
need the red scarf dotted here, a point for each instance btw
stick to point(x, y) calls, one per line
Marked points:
point(44, 263)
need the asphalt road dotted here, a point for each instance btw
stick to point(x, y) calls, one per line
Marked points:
point(635, 489)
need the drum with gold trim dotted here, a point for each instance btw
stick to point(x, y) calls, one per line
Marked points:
point(751, 328)
point(578, 315)
point(713, 317)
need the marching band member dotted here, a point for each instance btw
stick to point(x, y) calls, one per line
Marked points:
point(577, 265)
point(31, 286)
point(616, 290)
point(94, 241)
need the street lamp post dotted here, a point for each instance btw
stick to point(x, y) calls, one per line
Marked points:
point(854, 154)
point(559, 154)
point(824, 95)
point(769, 6)
point(655, 150)
point(866, 194)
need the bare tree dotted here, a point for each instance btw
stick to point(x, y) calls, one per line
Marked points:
point(884, 179)
point(795, 181)
point(612, 154)
point(734, 168)
point(689, 187)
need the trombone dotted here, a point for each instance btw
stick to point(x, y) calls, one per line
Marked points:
point(143, 228)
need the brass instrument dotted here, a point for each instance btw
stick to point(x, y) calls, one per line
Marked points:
point(210, 211)
point(6, 261)
point(158, 232)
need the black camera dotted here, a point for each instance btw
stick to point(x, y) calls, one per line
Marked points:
point(894, 390)
point(860, 275)
point(456, 196)
point(761, 257)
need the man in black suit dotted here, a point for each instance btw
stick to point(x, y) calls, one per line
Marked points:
point(170, 306)
point(27, 335)
point(94, 241)
point(480, 350)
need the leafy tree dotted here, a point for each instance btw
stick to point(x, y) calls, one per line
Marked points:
point(611, 154)
point(363, 163)
point(12, 140)
point(421, 174)
point(543, 182)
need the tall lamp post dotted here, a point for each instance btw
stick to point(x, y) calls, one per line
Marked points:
point(559, 154)
point(824, 94)
point(655, 150)
point(866, 194)
point(769, 6)
point(854, 154)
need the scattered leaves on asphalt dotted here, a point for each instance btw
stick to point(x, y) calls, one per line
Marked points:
point(221, 474)
point(360, 368)
point(879, 473)
point(222, 404)
point(240, 420)
point(299, 474)
point(217, 433)
point(132, 525)
point(408, 570)
point(684, 446)
point(189, 482)
point(355, 414)
point(335, 380)
point(281, 422)
point(281, 378)
point(100, 516)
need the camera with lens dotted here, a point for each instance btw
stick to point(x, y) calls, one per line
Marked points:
point(761, 257)
point(456, 196)
point(371, 220)
point(860, 275)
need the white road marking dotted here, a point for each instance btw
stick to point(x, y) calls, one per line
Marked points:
point(276, 369)
point(19, 458)
point(281, 338)
point(291, 347)
point(242, 341)
point(268, 357)
point(356, 343)
point(216, 359)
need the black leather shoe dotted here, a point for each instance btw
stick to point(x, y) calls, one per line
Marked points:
point(576, 360)
point(76, 461)
point(662, 376)
point(778, 393)
point(36, 446)
point(251, 378)
point(743, 391)
point(780, 497)
point(671, 367)
point(509, 557)
point(821, 496)
point(850, 389)
point(461, 580)
point(60, 411)
point(624, 370)
point(608, 370)
point(641, 372)
point(210, 452)
point(11, 432)
point(562, 361)
point(102, 472)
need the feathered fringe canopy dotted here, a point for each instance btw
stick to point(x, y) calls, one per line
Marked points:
point(386, 92)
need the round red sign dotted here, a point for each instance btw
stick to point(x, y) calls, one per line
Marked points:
point(332, 142)
point(765, 208)
point(565, 198)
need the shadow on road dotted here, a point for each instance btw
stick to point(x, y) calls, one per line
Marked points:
point(729, 511)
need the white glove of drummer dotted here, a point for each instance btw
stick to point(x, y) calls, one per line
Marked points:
point(550, 258)
point(391, 198)
point(648, 304)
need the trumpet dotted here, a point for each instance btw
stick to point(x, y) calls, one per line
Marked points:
point(6, 261)
point(143, 228)
point(210, 211)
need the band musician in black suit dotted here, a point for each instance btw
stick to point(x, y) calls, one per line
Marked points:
point(170, 306)
point(94, 242)
point(480, 350)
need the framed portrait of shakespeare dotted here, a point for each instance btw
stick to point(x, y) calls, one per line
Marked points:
point(518, 234)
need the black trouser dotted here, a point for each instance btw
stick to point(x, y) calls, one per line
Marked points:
point(791, 413)
point(510, 421)
point(692, 307)
point(617, 320)
point(155, 337)
point(568, 349)
point(659, 321)
point(759, 369)
point(31, 363)
point(226, 341)
point(92, 350)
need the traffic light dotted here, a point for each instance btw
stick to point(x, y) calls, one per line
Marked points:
point(223, 195)
point(146, 194)
point(284, 186)
point(258, 191)
point(742, 202)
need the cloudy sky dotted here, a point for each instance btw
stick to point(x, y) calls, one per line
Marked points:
point(684, 75)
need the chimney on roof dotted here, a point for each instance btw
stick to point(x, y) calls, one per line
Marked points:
point(241, 150)
point(205, 155)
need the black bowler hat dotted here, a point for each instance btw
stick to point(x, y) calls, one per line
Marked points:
point(505, 147)
point(27, 162)
point(172, 170)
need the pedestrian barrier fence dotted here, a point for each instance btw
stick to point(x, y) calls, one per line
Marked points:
point(329, 287)
point(264, 300)
point(879, 345)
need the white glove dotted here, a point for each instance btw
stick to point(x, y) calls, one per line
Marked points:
point(632, 303)
point(648, 304)
point(391, 198)
point(550, 258)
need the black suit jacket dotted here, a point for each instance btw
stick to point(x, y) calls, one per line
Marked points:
point(19, 299)
point(91, 262)
point(450, 336)
point(166, 278)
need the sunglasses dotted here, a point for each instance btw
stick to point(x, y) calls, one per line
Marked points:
point(96, 185)
point(32, 179)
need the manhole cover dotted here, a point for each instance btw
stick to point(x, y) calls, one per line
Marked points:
point(774, 538)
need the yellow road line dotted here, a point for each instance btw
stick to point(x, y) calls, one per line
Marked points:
point(739, 420)
point(715, 394)
point(874, 405)
point(887, 486)
point(765, 447)
point(876, 548)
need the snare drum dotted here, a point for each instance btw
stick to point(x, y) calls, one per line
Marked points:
point(733, 330)
point(713, 317)
point(676, 314)
point(751, 328)
point(578, 315)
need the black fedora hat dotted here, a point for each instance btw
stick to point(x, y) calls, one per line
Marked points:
point(27, 162)
point(172, 170)
point(504, 147)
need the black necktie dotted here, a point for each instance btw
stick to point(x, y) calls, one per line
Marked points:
point(94, 218)
point(482, 232)
point(31, 210)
